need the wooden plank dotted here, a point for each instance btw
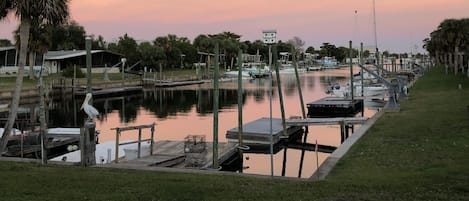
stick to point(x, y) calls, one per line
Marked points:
point(325, 121)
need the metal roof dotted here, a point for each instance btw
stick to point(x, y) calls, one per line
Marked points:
point(65, 54)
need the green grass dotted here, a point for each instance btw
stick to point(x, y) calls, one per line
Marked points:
point(420, 153)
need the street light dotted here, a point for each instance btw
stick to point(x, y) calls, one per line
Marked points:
point(270, 37)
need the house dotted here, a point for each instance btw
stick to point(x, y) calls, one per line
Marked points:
point(56, 61)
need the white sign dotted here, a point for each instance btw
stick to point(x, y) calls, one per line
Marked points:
point(270, 36)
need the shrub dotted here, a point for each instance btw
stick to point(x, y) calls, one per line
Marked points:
point(68, 72)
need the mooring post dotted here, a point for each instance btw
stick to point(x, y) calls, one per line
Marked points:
point(361, 69)
point(303, 113)
point(351, 72)
point(152, 131)
point(139, 149)
point(215, 109)
point(116, 157)
point(88, 148)
point(284, 164)
point(240, 108)
point(342, 132)
point(89, 74)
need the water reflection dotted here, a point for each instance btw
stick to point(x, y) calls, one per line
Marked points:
point(186, 110)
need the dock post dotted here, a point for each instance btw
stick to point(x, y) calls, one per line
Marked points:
point(351, 72)
point(139, 148)
point(284, 164)
point(152, 142)
point(215, 110)
point(303, 113)
point(342, 132)
point(116, 157)
point(282, 109)
point(240, 108)
point(89, 74)
point(88, 145)
point(361, 69)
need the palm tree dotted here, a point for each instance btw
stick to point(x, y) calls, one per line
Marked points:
point(28, 12)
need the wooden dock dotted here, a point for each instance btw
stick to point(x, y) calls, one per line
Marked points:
point(335, 107)
point(110, 91)
point(178, 83)
point(171, 154)
point(256, 135)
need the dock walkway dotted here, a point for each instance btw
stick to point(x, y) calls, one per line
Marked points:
point(171, 154)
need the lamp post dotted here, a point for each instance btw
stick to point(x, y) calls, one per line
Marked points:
point(123, 60)
point(270, 37)
point(182, 60)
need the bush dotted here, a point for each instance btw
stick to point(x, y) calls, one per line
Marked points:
point(68, 72)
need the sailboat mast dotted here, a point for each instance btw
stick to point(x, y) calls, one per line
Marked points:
point(374, 25)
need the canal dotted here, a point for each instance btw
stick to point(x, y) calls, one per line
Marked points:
point(187, 110)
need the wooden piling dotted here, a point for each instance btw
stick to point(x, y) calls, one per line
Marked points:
point(215, 109)
point(240, 108)
point(303, 112)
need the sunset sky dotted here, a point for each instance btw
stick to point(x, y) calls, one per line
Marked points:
point(401, 24)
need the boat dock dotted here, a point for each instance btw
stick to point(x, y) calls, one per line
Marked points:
point(334, 107)
point(177, 83)
point(174, 154)
point(256, 135)
point(110, 91)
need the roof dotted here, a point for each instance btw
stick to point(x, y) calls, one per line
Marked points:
point(7, 48)
point(65, 54)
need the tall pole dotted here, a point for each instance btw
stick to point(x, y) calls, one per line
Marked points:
point(374, 25)
point(270, 114)
point(240, 108)
point(88, 64)
point(351, 70)
point(215, 110)
point(282, 109)
point(361, 69)
point(303, 112)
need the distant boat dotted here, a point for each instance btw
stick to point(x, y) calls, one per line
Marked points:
point(313, 68)
point(328, 63)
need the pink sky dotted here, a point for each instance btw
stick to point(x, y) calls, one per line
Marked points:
point(401, 24)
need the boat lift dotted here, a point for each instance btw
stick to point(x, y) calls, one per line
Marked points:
point(394, 87)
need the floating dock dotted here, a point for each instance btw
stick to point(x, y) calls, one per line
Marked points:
point(110, 91)
point(178, 83)
point(335, 107)
point(256, 135)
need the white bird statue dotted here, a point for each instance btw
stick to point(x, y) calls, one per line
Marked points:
point(89, 109)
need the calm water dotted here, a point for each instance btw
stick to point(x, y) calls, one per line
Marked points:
point(187, 110)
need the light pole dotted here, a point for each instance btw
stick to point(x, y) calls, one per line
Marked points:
point(270, 37)
point(182, 60)
point(123, 60)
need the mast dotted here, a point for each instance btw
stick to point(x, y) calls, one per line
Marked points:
point(374, 26)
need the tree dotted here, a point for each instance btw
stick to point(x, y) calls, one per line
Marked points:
point(128, 47)
point(69, 36)
point(42, 12)
point(310, 49)
point(151, 55)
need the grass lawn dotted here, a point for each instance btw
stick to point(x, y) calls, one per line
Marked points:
point(420, 153)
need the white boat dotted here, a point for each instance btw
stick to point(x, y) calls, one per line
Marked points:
point(14, 131)
point(105, 152)
point(313, 68)
point(291, 70)
point(234, 74)
point(378, 91)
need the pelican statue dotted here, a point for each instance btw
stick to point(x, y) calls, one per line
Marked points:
point(89, 109)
